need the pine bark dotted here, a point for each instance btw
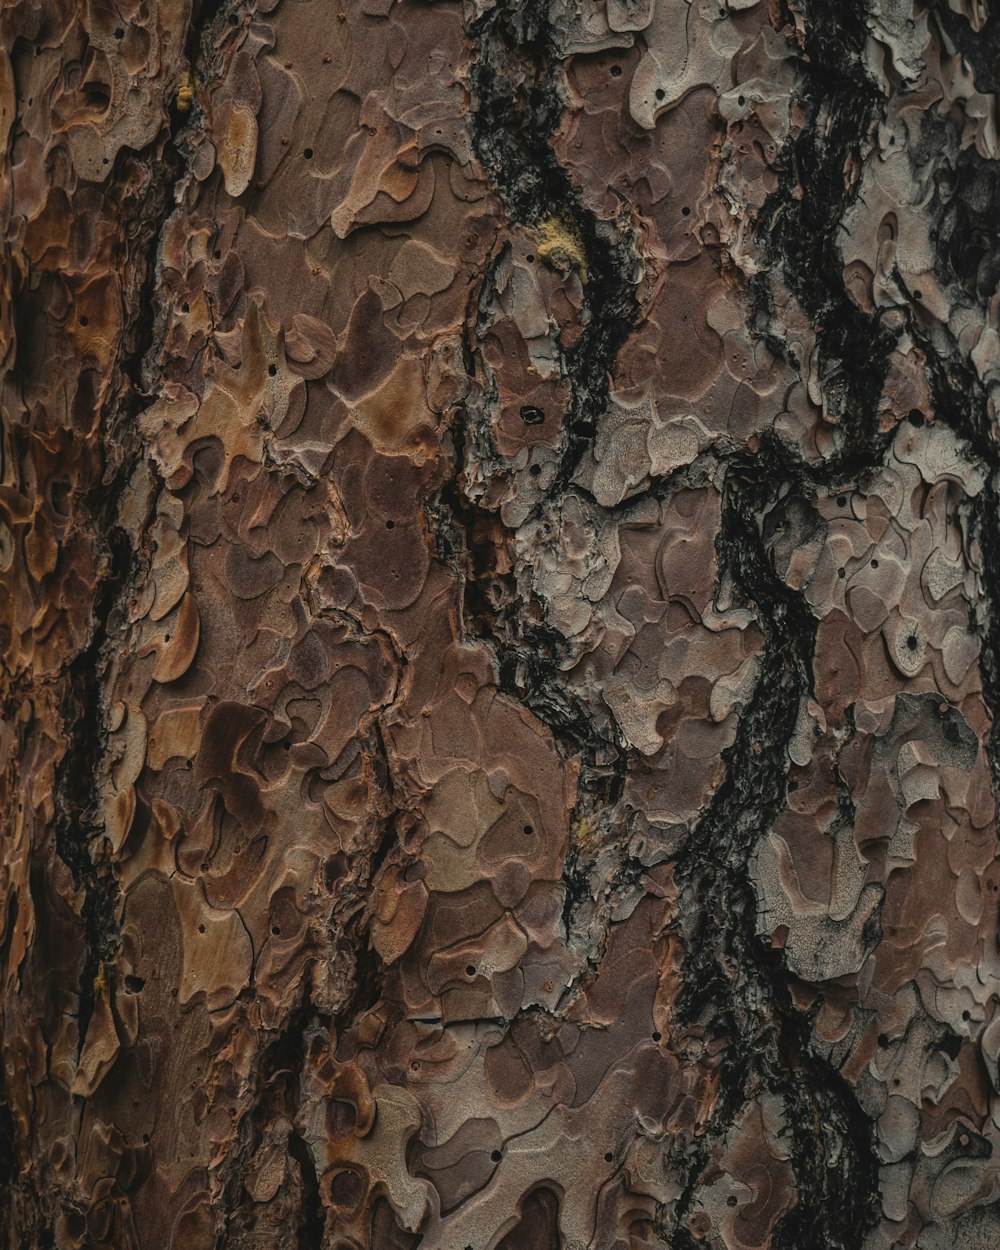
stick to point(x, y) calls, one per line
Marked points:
point(499, 539)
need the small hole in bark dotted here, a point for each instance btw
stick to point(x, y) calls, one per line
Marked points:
point(276, 930)
point(911, 643)
point(883, 1040)
point(535, 470)
point(189, 763)
point(608, 1156)
point(732, 1200)
point(390, 525)
point(272, 371)
point(119, 33)
point(185, 307)
point(657, 1035)
point(85, 321)
point(134, 984)
point(530, 258)
point(660, 93)
point(915, 417)
point(874, 564)
point(233, 19)
point(529, 829)
point(217, 254)
point(470, 971)
point(201, 928)
point(346, 1189)
point(966, 1015)
point(841, 501)
point(685, 211)
point(308, 154)
point(616, 71)
point(842, 572)
point(496, 1156)
point(741, 100)
point(531, 415)
point(918, 295)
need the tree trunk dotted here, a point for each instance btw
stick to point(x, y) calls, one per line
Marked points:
point(498, 511)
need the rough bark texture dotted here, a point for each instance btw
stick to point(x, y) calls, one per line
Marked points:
point(498, 519)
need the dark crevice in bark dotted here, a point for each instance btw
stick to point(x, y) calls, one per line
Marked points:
point(277, 1094)
point(799, 230)
point(310, 1232)
point(77, 797)
point(736, 990)
point(78, 825)
point(516, 108)
point(78, 828)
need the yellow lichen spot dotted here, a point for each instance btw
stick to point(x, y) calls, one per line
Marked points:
point(100, 981)
point(585, 836)
point(185, 92)
point(560, 243)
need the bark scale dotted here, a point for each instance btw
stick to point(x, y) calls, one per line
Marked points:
point(498, 520)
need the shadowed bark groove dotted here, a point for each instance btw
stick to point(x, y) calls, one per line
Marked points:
point(736, 988)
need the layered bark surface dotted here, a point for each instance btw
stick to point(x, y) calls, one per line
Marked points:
point(498, 518)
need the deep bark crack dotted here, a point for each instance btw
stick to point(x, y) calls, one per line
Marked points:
point(736, 990)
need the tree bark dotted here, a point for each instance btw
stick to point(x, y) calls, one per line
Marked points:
point(498, 520)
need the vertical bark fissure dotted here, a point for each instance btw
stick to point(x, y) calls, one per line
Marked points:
point(737, 980)
point(734, 987)
point(799, 229)
point(78, 827)
point(516, 106)
point(278, 1077)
